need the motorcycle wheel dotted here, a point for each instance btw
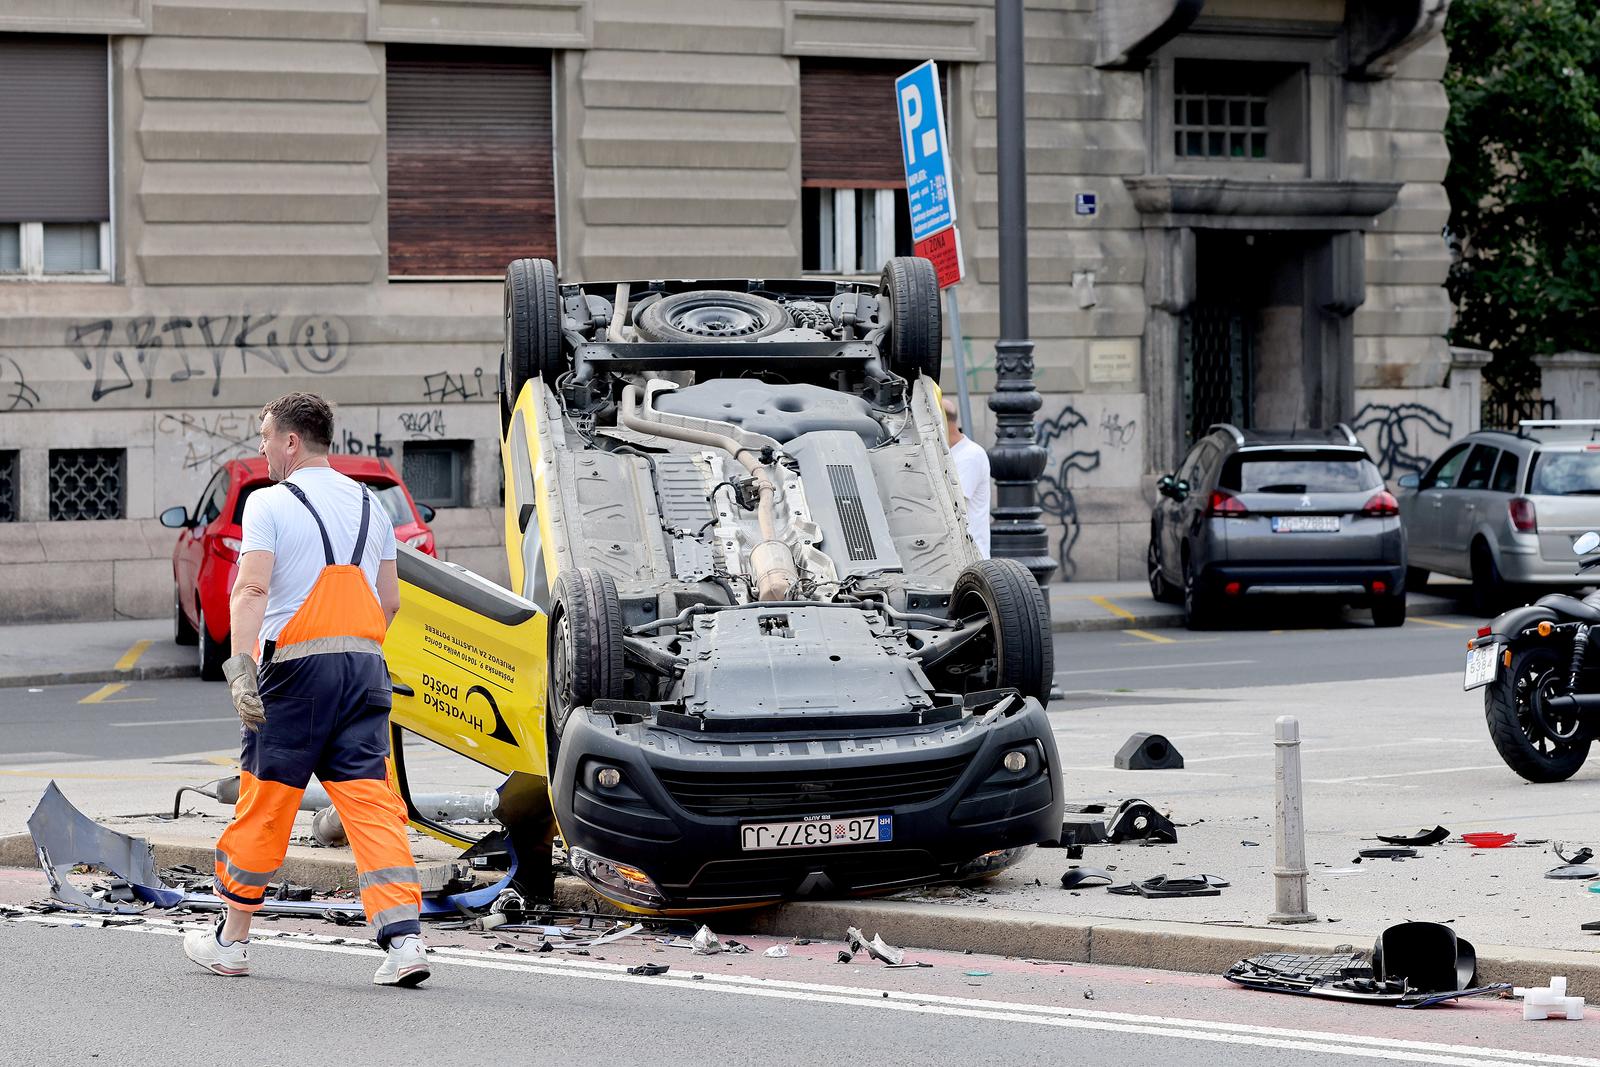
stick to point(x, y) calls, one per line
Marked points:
point(1520, 733)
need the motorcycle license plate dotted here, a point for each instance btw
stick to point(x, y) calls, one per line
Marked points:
point(1481, 664)
point(816, 833)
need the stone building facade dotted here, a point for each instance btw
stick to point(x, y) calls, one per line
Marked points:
point(1235, 212)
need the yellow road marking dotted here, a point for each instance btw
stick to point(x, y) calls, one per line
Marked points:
point(1148, 636)
point(1120, 612)
point(99, 695)
point(1436, 622)
point(130, 657)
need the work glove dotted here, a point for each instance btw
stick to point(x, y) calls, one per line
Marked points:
point(240, 671)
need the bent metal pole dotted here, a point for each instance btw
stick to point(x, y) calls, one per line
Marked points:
point(1289, 875)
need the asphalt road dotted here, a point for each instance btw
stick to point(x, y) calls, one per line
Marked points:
point(138, 1001)
point(1272, 651)
point(119, 720)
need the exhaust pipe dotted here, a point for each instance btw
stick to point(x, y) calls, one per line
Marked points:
point(1574, 702)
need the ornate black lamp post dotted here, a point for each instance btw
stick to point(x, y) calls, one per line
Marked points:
point(1016, 460)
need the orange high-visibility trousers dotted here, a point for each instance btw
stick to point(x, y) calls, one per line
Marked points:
point(327, 697)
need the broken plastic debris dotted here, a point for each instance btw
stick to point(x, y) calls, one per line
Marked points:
point(1544, 1002)
point(879, 949)
point(845, 955)
point(977, 974)
point(1488, 839)
point(1421, 837)
point(705, 942)
point(63, 837)
point(1386, 854)
point(649, 970)
point(776, 952)
point(1573, 870)
point(1085, 876)
point(1206, 885)
point(1583, 855)
point(854, 938)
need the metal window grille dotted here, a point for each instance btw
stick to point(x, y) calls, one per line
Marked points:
point(8, 487)
point(87, 483)
point(1216, 368)
point(1212, 124)
point(436, 472)
point(1505, 413)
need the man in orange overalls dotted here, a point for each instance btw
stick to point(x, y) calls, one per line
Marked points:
point(320, 702)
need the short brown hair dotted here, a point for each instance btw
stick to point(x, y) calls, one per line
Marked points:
point(306, 414)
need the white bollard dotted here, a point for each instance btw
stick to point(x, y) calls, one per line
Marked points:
point(1289, 876)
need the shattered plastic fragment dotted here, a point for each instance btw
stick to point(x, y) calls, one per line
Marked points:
point(1573, 870)
point(1421, 837)
point(854, 938)
point(649, 970)
point(1544, 1002)
point(705, 942)
point(63, 837)
point(845, 955)
point(879, 949)
point(776, 952)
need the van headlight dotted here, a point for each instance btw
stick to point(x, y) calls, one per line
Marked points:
point(621, 879)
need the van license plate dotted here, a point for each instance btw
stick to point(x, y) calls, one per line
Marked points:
point(1305, 524)
point(1481, 664)
point(816, 833)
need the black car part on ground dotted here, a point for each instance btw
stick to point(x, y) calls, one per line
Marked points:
point(1148, 752)
point(1412, 965)
point(1086, 876)
point(1205, 885)
point(1133, 820)
point(1418, 839)
point(1583, 855)
point(1390, 853)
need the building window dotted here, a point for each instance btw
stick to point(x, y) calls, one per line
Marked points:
point(854, 213)
point(8, 487)
point(87, 483)
point(436, 472)
point(1238, 111)
point(471, 160)
point(55, 186)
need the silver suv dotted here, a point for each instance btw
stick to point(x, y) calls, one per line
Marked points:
point(1503, 509)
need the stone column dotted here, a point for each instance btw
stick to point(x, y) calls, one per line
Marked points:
point(1572, 380)
point(1466, 389)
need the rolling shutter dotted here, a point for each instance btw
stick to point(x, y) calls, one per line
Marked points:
point(53, 129)
point(849, 129)
point(471, 164)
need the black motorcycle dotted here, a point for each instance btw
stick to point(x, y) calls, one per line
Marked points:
point(1542, 675)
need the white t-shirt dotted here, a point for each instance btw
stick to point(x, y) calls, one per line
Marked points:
point(274, 521)
point(972, 469)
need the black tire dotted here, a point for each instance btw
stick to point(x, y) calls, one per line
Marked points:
point(1388, 611)
point(533, 328)
point(1019, 618)
point(1489, 591)
point(711, 315)
point(911, 289)
point(1199, 613)
point(585, 643)
point(1515, 726)
point(1416, 579)
point(1163, 591)
point(183, 631)
point(212, 653)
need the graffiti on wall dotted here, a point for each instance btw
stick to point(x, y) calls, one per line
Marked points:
point(15, 392)
point(209, 439)
point(1055, 484)
point(143, 352)
point(423, 425)
point(445, 386)
point(1399, 430)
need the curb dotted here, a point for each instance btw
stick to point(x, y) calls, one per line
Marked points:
point(1161, 945)
point(107, 674)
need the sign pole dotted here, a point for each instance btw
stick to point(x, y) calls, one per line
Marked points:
point(958, 349)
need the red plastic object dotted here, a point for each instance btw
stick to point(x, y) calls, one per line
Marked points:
point(1488, 839)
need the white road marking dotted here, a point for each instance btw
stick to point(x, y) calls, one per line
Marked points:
point(918, 1003)
point(1157, 667)
point(1403, 774)
point(171, 722)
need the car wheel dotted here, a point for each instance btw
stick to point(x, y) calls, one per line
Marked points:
point(1160, 588)
point(1021, 655)
point(1489, 592)
point(1416, 579)
point(711, 315)
point(585, 643)
point(212, 653)
point(1536, 748)
point(183, 631)
point(1389, 610)
point(912, 343)
point(533, 327)
point(1198, 611)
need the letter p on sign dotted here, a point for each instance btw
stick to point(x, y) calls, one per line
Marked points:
point(911, 118)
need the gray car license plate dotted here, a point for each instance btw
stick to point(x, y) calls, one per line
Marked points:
point(1305, 524)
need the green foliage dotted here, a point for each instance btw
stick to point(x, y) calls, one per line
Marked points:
point(1524, 179)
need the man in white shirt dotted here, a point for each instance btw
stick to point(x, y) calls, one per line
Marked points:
point(972, 469)
point(316, 590)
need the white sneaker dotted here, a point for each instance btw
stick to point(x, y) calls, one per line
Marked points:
point(202, 946)
point(405, 965)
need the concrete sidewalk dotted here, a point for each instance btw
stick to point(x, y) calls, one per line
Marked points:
point(1388, 756)
point(134, 649)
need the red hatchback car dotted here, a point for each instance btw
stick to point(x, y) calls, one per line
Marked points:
point(206, 557)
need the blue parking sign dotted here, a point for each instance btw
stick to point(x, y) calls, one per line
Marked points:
point(924, 147)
